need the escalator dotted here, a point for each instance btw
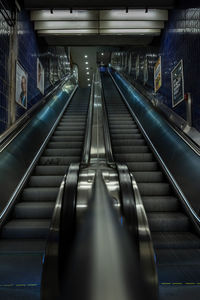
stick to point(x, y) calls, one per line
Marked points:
point(175, 237)
point(23, 236)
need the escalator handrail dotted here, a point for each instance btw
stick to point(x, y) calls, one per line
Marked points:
point(137, 224)
point(12, 132)
point(88, 128)
point(188, 208)
point(13, 199)
point(50, 283)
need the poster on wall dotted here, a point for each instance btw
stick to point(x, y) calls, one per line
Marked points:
point(177, 81)
point(40, 76)
point(158, 75)
point(21, 86)
point(137, 67)
point(146, 75)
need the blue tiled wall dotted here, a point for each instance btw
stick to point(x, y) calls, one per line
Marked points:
point(54, 60)
point(180, 40)
point(4, 82)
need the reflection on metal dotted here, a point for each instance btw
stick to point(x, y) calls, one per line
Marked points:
point(189, 134)
point(13, 198)
point(60, 234)
point(97, 143)
point(147, 255)
point(88, 133)
point(189, 109)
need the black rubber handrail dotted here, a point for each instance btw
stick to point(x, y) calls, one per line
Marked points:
point(60, 235)
point(138, 226)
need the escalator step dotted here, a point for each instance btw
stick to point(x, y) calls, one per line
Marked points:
point(22, 246)
point(148, 177)
point(63, 152)
point(60, 145)
point(68, 133)
point(181, 240)
point(154, 189)
point(142, 166)
point(67, 139)
point(40, 194)
point(168, 221)
point(128, 142)
point(28, 228)
point(34, 210)
point(124, 136)
point(130, 149)
point(134, 157)
point(58, 160)
point(50, 170)
point(160, 203)
point(45, 181)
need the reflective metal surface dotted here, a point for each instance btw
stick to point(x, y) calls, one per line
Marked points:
point(175, 156)
point(20, 156)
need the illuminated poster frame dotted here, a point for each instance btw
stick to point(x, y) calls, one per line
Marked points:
point(177, 83)
point(21, 85)
point(158, 74)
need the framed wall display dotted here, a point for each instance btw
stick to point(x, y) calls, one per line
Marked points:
point(158, 75)
point(177, 81)
point(21, 86)
point(40, 76)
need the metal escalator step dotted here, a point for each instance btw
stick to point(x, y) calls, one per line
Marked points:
point(122, 126)
point(40, 194)
point(33, 210)
point(129, 130)
point(160, 203)
point(68, 133)
point(142, 166)
point(22, 246)
point(134, 157)
point(71, 128)
point(69, 145)
point(178, 257)
point(126, 136)
point(63, 152)
point(145, 177)
point(45, 181)
point(51, 170)
point(168, 221)
point(58, 160)
point(26, 228)
point(130, 149)
point(67, 138)
point(154, 189)
point(128, 142)
point(176, 240)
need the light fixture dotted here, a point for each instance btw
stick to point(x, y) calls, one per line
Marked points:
point(86, 62)
point(87, 68)
point(89, 84)
point(102, 53)
point(88, 73)
point(88, 79)
point(86, 56)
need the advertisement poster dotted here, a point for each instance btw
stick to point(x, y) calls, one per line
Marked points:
point(40, 76)
point(157, 75)
point(137, 66)
point(177, 80)
point(21, 86)
point(146, 75)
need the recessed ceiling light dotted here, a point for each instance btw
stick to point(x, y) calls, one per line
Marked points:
point(88, 79)
point(89, 84)
point(88, 73)
point(102, 53)
point(86, 56)
point(86, 62)
point(87, 68)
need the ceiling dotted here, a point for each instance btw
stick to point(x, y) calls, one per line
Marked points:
point(99, 27)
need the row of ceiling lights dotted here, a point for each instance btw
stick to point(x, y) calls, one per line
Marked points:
point(87, 68)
